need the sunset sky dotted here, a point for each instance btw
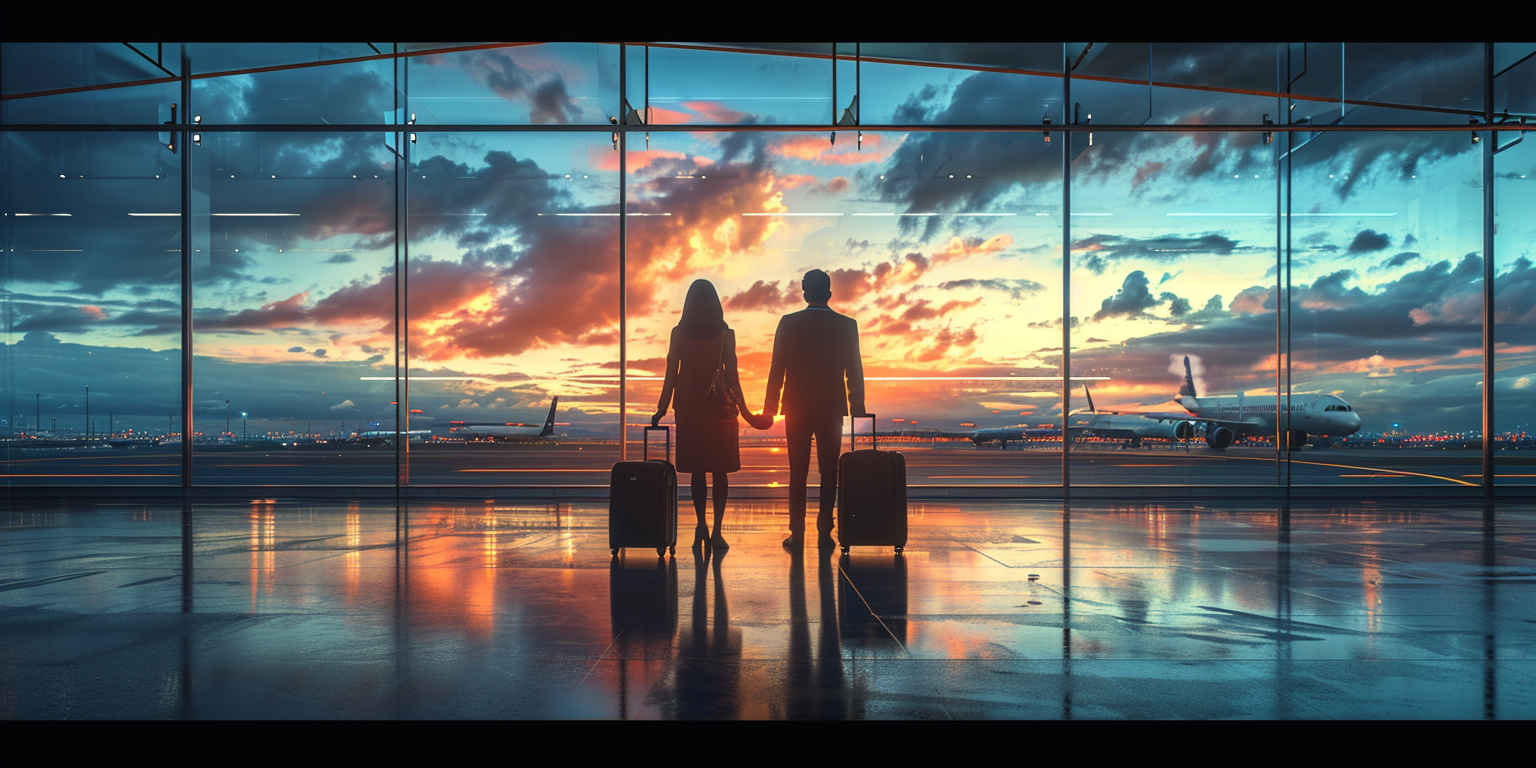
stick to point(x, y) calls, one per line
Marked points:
point(945, 246)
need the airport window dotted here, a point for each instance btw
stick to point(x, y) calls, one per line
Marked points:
point(1087, 265)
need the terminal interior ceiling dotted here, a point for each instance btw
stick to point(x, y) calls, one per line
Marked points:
point(1103, 265)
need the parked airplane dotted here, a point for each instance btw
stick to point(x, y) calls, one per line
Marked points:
point(507, 431)
point(374, 437)
point(1017, 434)
point(1225, 419)
point(1128, 426)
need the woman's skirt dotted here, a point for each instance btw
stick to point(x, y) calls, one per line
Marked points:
point(707, 446)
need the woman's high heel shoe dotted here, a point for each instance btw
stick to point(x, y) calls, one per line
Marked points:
point(718, 542)
point(700, 536)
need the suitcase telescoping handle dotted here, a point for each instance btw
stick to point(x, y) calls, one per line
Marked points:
point(646, 442)
point(852, 444)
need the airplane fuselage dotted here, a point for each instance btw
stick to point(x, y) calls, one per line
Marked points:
point(1310, 414)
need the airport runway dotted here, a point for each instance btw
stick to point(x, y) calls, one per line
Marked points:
point(573, 464)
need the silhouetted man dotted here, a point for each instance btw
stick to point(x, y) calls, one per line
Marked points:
point(814, 351)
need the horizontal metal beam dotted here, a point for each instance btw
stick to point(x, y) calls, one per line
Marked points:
point(763, 128)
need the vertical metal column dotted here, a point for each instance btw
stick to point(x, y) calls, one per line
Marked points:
point(1490, 143)
point(186, 273)
point(623, 284)
point(402, 356)
point(1066, 279)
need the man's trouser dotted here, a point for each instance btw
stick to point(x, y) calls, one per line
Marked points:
point(828, 432)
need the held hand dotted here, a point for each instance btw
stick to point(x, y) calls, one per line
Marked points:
point(656, 418)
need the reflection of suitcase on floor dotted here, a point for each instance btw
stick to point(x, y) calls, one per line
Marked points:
point(871, 497)
point(872, 600)
point(642, 501)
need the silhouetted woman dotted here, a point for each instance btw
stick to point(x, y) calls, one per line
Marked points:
point(706, 433)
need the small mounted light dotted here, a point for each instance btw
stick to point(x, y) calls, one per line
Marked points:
point(1475, 138)
point(413, 138)
point(197, 118)
point(861, 141)
point(1269, 136)
point(197, 138)
point(1047, 134)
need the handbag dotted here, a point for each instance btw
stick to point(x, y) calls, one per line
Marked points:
point(719, 402)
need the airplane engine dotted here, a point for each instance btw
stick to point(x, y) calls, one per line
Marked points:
point(1183, 430)
point(1296, 438)
point(1219, 438)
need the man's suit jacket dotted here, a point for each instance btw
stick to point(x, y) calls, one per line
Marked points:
point(814, 351)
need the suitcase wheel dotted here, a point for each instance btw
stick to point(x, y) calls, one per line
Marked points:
point(672, 549)
point(898, 550)
point(614, 552)
point(661, 551)
point(845, 550)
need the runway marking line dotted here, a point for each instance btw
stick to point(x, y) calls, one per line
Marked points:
point(977, 477)
point(108, 474)
point(1352, 466)
point(532, 470)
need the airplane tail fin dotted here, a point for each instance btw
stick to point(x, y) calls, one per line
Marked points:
point(549, 421)
point(1188, 390)
point(1089, 395)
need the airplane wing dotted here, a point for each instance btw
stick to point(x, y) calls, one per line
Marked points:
point(1233, 424)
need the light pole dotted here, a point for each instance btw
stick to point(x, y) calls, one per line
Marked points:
point(87, 411)
point(242, 427)
point(226, 417)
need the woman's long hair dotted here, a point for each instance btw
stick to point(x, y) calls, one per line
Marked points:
point(703, 318)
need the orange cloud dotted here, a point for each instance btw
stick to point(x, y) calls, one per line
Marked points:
point(664, 116)
point(713, 112)
point(812, 147)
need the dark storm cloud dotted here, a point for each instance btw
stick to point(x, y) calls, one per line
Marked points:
point(341, 258)
point(1397, 156)
point(1098, 252)
point(543, 90)
point(1398, 260)
point(349, 94)
point(295, 349)
point(1369, 241)
point(1133, 299)
point(38, 317)
point(1177, 306)
point(1016, 288)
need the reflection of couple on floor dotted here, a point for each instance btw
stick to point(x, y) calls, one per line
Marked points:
point(815, 351)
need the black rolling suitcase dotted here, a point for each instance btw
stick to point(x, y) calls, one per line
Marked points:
point(871, 496)
point(642, 501)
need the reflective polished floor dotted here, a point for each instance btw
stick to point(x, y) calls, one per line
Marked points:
point(995, 610)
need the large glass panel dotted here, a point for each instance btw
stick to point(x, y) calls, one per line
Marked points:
point(1173, 260)
point(294, 309)
point(915, 93)
point(1514, 288)
point(1385, 301)
point(1218, 83)
point(944, 247)
point(548, 83)
point(729, 87)
point(91, 298)
point(358, 93)
point(224, 57)
point(512, 296)
point(88, 82)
